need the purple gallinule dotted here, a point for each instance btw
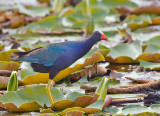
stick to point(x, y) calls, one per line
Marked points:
point(58, 56)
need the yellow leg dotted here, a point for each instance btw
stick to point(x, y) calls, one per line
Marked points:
point(49, 92)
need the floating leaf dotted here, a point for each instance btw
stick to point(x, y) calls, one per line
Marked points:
point(149, 65)
point(150, 9)
point(154, 41)
point(135, 22)
point(9, 65)
point(132, 109)
point(29, 99)
point(74, 109)
point(34, 97)
point(43, 77)
point(34, 11)
point(124, 53)
point(111, 110)
point(45, 24)
point(5, 56)
point(152, 49)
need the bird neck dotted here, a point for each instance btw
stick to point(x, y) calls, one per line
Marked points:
point(91, 41)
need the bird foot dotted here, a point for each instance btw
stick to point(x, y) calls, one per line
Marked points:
point(52, 83)
point(51, 98)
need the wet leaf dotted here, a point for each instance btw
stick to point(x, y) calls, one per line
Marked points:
point(5, 56)
point(29, 99)
point(152, 49)
point(124, 53)
point(9, 65)
point(154, 41)
point(74, 109)
point(132, 109)
point(46, 24)
point(150, 9)
point(34, 11)
point(135, 22)
point(149, 65)
point(95, 107)
point(111, 110)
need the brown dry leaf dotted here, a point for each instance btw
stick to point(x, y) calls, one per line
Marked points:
point(120, 59)
point(3, 19)
point(148, 57)
point(92, 71)
point(156, 21)
point(78, 109)
point(75, 113)
point(152, 9)
point(30, 106)
point(81, 101)
point(15, 22)
point(3, 82)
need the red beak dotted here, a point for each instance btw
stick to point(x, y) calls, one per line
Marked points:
point(104, 37)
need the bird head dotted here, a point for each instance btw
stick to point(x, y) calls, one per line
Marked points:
point(99, 35)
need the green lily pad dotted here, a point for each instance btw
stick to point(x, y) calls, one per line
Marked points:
point(5, 55)
point(130, 50)
point(46, 24)
point(132, 109)
point(124, 53)
point(34, 11)
point(154, 41)
point(152, 49)
point(149, 65)
point(31, 94)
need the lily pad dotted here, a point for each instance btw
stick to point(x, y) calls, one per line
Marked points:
point(5, 55)
point(46, 24)
point(35, 97)
point(9, 65)
point(34, 11)
point(124, 53)
point(154, 41)
point(149, 65)
point(135, 22)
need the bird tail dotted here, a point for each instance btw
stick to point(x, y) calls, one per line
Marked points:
point(15, 58)
point(18, 55)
